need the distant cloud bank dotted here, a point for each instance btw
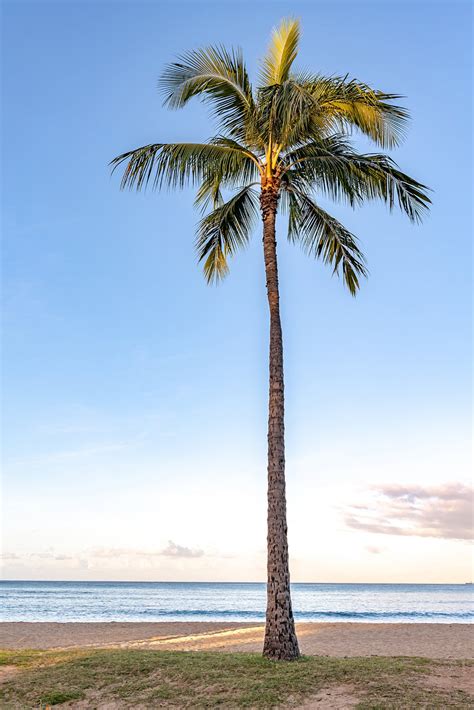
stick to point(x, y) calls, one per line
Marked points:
point(109, 555)
point(444, 511)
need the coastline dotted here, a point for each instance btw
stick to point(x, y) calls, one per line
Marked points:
point(334, 639)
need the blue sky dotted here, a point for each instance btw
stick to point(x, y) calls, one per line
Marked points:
point(135, 395)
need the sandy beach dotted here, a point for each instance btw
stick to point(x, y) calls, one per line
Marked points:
point(449, 641)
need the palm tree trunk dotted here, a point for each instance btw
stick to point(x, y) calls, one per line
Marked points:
point(280, 636)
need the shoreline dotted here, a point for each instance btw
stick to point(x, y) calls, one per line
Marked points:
point(336, 639)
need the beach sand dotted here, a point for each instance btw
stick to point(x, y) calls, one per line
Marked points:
point(327, 639)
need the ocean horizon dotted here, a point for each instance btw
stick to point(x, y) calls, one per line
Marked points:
point(98, 601)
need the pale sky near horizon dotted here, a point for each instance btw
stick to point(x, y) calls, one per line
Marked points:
point(135, 396)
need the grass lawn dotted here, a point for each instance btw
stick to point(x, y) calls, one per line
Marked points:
point(152, 679)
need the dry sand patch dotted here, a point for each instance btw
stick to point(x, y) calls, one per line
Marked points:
point(459, 678)
point(337, 697)
point(441, 641)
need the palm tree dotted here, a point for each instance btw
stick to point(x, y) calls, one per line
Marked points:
point(278, 144)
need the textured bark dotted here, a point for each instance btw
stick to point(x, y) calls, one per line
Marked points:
point(280, 636)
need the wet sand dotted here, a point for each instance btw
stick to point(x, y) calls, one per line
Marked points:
point(326, 639)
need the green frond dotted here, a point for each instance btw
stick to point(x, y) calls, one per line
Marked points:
point(320, 148)
point(232, 144)
point(219, 77)
point(325, 238)
point(333, 167)
point(224, 231)
point(281, 53)
point(209, 195)
point(345, 103)
point(179, 164)
point(285, 113)
point(297, 111)
point(379, 178)
point(322, 165)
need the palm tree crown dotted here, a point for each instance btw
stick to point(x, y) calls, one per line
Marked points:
point(290, 133)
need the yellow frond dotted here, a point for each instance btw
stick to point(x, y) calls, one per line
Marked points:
point(281, 52)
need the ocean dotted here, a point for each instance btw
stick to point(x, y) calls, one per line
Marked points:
point(198, 601)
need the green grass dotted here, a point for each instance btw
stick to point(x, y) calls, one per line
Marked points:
point(149, 679)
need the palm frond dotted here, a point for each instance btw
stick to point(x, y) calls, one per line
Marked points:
point(322, 165)
point(379, 177)
point(178, 164)
point(332, 166)
point(231, 143)
point(281, 53)
point(209, 194)
point(217, 75)
point(284, 114)
point(225, 230)
point(345, 103)
point(322, 236)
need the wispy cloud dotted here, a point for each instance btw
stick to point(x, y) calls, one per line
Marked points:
point(171, 550)
point(46, 555)
point(108, 555)
point(374, 550)
point(444, 511)
point(174, 550)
